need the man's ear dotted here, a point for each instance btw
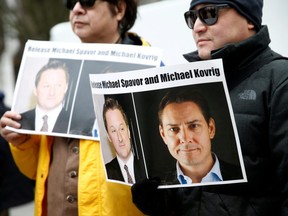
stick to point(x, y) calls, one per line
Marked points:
point(66, 88)
point(129, 134)
point(212, 128)
point(35, 91)
point(162, 134)
point(109, 138)
point(120, 10)
point(250, 26)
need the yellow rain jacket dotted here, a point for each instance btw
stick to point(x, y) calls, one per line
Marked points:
point(96, 196)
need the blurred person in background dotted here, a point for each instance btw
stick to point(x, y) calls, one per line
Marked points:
point(15, 188)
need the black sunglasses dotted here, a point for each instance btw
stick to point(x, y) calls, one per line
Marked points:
point(208, 15)
point(70, 4)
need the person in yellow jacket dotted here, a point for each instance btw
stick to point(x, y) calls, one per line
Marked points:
point(69, 173)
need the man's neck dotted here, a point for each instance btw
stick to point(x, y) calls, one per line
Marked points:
point(198, 171)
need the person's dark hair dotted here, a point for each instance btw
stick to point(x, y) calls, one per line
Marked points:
point(52, 64)
point(130, 14)
point(112, 104)
point(176, 96)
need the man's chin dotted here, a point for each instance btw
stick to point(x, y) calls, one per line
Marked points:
point(205, 55)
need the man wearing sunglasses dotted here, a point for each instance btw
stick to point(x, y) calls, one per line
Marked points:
point(103, 21)
point(257, 79)
point(69, 173)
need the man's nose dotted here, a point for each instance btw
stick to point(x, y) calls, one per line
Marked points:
point(119, 135)
point(199, 26)
point(183, 135)
point(52, 90)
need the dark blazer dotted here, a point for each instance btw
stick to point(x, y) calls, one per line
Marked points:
point(61, 125)
point(228, 172)
point(114, 171)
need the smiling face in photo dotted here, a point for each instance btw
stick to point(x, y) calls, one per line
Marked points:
point(51, 89)
point(118, 133)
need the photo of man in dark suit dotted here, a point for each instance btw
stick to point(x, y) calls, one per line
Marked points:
point(187, 128)
point(125, 166)
point(51, 84)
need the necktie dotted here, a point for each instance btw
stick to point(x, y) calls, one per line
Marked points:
point(130, 181)
point(45, 124)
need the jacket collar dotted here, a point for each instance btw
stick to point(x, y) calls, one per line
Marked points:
point(133, 39)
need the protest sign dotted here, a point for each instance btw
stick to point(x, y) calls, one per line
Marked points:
point(139, 94)
point(67, 100)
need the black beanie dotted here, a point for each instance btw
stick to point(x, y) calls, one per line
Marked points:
point(251, 9)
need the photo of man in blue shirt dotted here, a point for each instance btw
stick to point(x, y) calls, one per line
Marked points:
point(187, 128)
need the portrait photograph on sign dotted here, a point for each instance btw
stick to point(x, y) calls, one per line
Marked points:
point(180, 131)
point(53, 92)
